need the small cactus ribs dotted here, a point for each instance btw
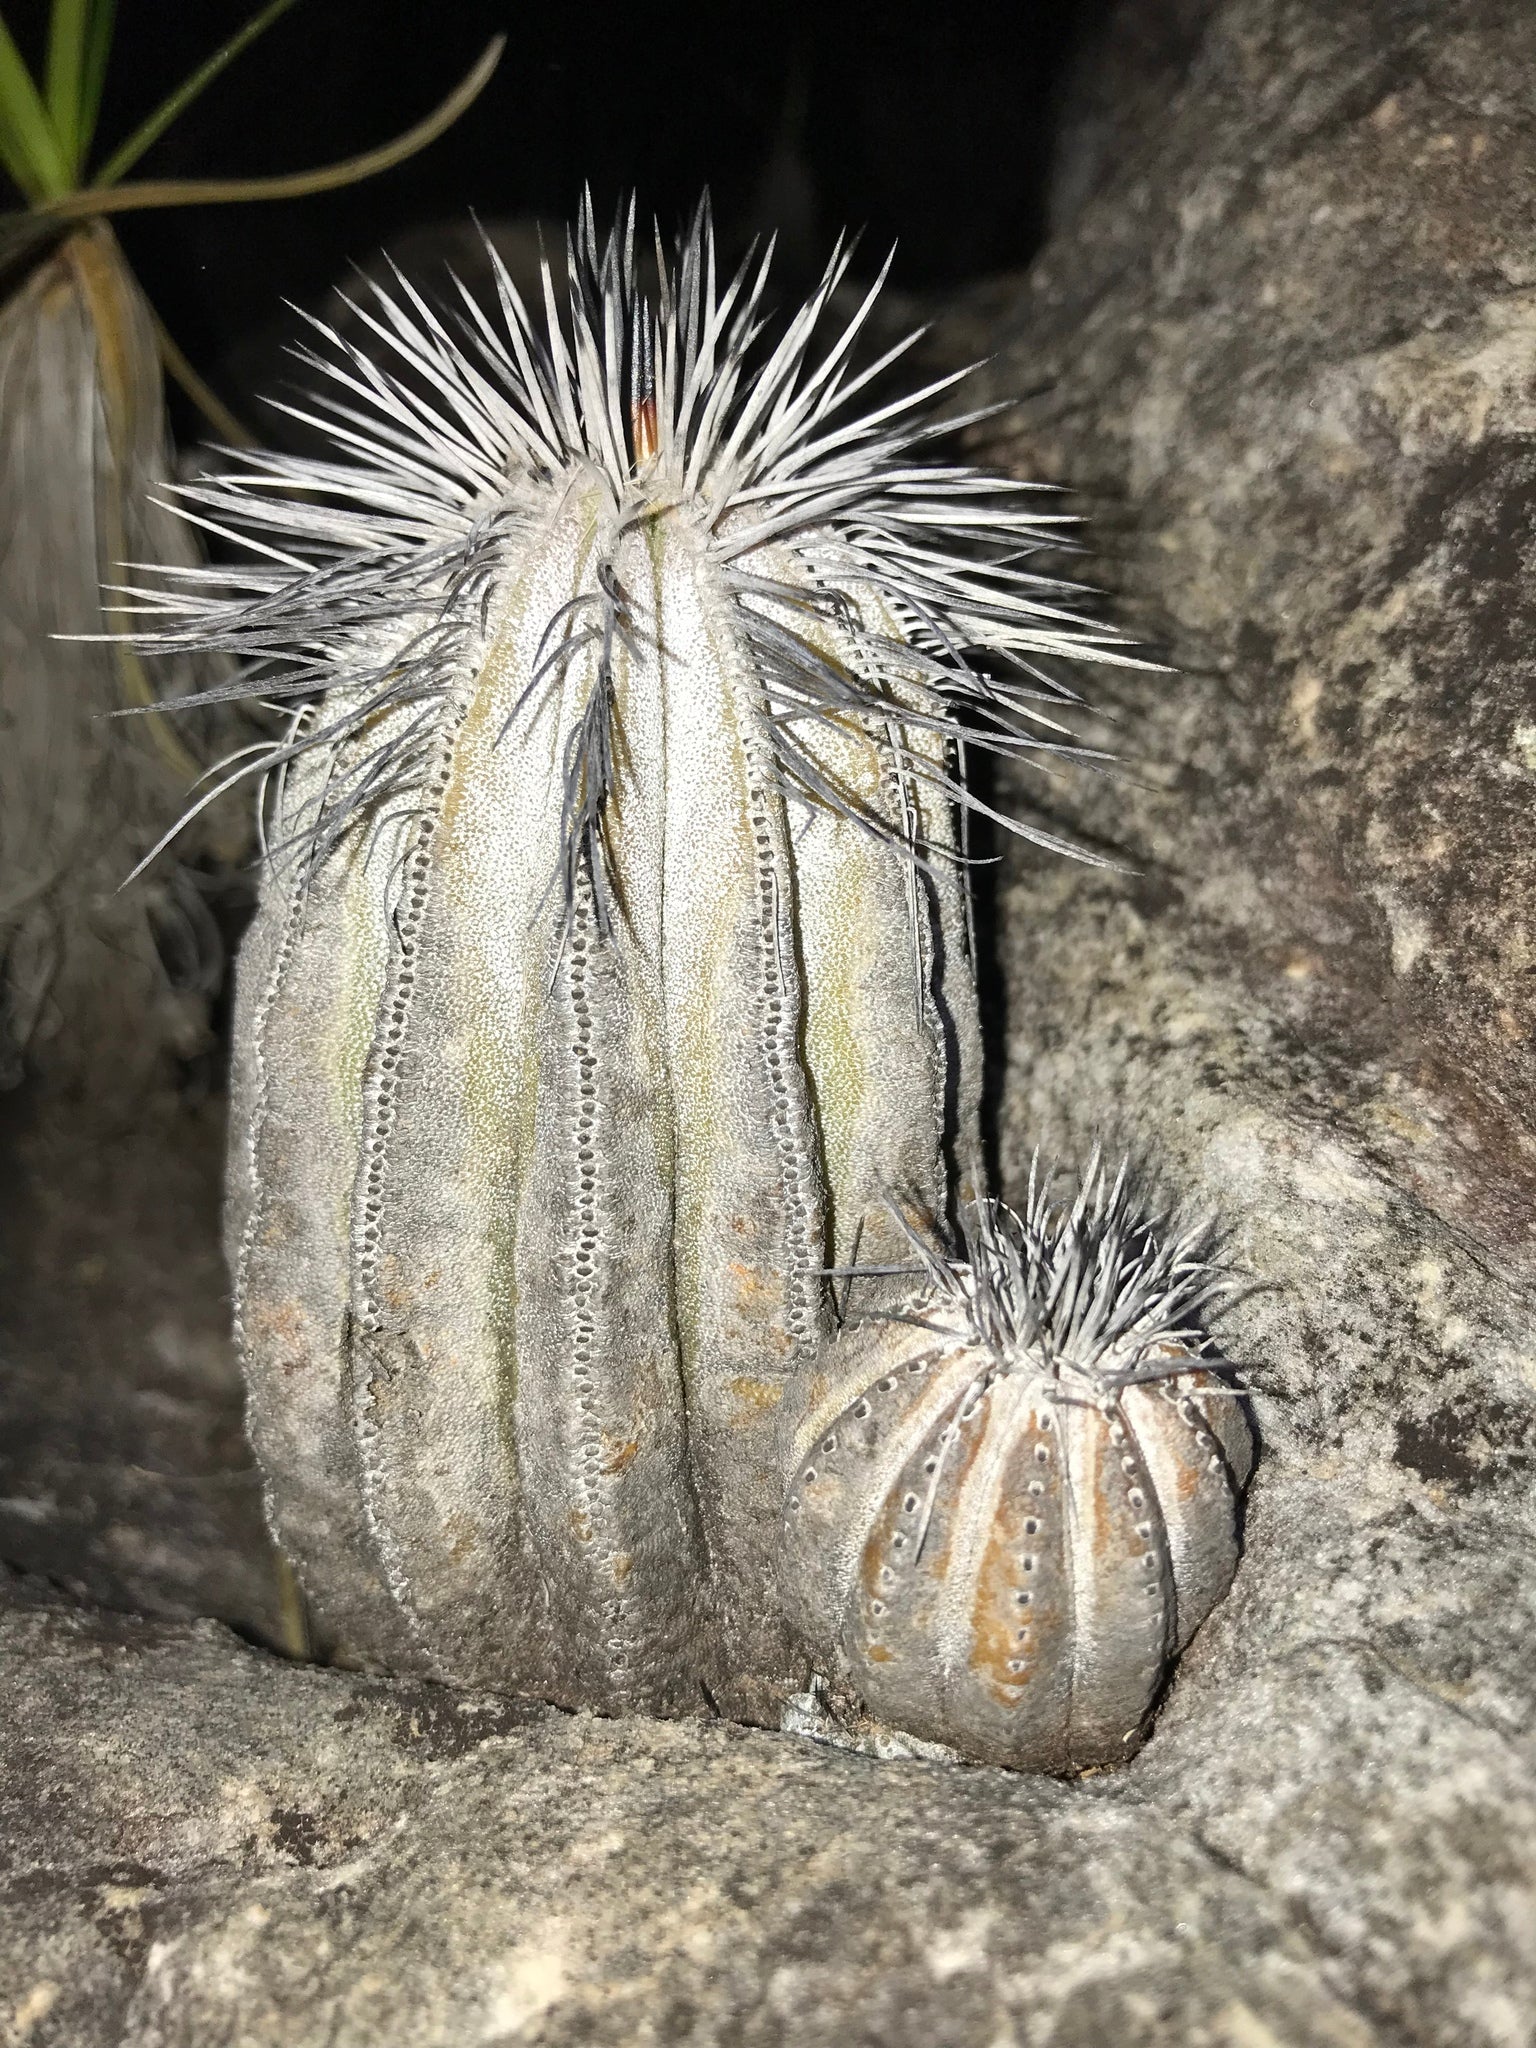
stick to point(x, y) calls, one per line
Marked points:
point(1018, 1498)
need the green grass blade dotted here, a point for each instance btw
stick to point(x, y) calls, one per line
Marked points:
point(65, 75)
point(98, 47)
point(150, 131)
point(28, 143)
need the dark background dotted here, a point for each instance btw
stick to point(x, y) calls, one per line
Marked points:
point(924, 125)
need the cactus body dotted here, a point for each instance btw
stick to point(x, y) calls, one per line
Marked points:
point(611, 964)
point(1008, 1515)
point(562, 1192)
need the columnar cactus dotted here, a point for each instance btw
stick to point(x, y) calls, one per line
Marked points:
point(1017, 1495)
point(612, 962)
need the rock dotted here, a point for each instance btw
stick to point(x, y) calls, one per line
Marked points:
point(1284, 335)
point(124, 1474)
point(208, 1846)
point(1292, 335)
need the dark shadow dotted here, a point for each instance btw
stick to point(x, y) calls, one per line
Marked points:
point(986, 850)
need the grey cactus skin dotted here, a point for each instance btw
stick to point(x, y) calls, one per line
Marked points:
point(1002, 1528)
point(525, 1203)
point(612, 962)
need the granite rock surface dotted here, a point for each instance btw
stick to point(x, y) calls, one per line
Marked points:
point(208, 1846)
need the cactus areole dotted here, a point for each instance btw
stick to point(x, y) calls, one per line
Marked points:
point(612, 968)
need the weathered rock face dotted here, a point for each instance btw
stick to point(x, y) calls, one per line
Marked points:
point(209, 1846)
point(1288, 326)
point(1294, 326)
point(124, 1474)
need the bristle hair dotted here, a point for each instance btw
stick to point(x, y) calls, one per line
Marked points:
point(368, 574)
point(1092, 1285)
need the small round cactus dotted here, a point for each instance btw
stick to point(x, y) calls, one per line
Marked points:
point(1018, 1494)
point(612, 956)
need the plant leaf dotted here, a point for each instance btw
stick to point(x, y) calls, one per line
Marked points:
point(65, 75)
point(98, 48)
point(29, 145)
point(296, 184)
point(149, 131)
